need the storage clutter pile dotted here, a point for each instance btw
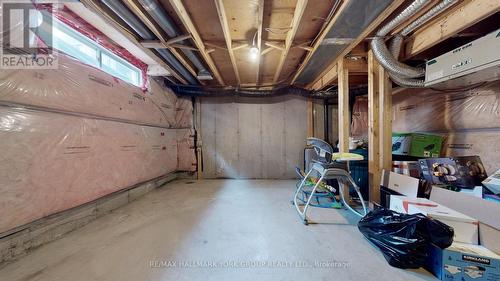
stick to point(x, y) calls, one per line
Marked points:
point(454, 191)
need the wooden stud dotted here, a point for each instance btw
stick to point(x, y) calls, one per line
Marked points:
point(215, 45)
point(344, 116)
point(457, 19)
point(294, 26)
point(227, 36)
point(267, 50)
point(240, 46)
point(385, 119)
point(373, 131)
point(188, 23)
point(373, 25)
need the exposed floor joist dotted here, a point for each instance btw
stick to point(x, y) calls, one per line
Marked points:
point(188, 23)
point(318, 40)
point(457, 19)
point(227, 36)
point(96, 7)
point(320, 81)
point(294, 26)
point(135, 7)
point(260, 16)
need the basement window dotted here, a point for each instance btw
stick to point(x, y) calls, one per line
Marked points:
point(71, 42)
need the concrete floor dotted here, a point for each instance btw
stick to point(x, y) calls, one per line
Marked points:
point(247, 229)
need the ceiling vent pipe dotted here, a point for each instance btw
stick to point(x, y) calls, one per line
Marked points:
point(166, 23)
point(399, 72)
point(131, 20)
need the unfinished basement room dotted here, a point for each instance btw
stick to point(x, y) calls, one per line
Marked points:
point(195, 140)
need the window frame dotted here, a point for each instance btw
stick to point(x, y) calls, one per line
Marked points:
point(100, 50)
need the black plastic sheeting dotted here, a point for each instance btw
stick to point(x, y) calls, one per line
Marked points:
point(350, 24)
point(199, 91)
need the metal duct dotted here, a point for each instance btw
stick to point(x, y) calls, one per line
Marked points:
point(353, 20)
point(400, 73)
point(133, 22)
point(382, 53)
point(166, 23)
point(436, 10)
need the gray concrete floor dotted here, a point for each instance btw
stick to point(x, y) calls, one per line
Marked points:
point(212, 230)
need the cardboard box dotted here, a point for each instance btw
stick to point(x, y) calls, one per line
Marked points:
point(486, 212)
point(493, 182)
point(463, 172)
point(461, 262)
point(401, 143)
point(424, 145)
point(465, 228)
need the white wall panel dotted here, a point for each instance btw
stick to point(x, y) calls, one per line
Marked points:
point(253, 137)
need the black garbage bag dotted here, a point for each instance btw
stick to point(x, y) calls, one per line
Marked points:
point(402, 238)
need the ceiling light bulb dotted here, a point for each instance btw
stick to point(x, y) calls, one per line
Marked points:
point(254, 52)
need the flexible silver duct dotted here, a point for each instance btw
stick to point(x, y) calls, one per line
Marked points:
point(399, 72)
point(436, 10)
point(395, 48)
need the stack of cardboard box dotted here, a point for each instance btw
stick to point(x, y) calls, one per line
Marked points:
point(474, 255)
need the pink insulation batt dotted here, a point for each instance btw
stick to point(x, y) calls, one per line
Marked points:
point(102, 135)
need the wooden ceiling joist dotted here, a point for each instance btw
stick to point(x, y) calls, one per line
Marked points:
point(260, 17)
point(464, 15)
point(96, 6)
point(294, 26)
point(319, 39)
point(135, 7)
point(373, 25)
point(227, 36)
point(189, 25)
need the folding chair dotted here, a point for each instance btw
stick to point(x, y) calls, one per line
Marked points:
point(326, 166)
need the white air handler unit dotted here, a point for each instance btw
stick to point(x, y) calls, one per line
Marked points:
point(471, 64)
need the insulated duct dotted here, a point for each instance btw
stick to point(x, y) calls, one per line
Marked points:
point(399, 72)
point(166, 23)
point(133, 22)
point(382, 53)
point(211, 92)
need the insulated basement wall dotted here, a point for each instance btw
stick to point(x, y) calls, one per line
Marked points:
point(253, 137)
point(75, 134)
point(469, 119)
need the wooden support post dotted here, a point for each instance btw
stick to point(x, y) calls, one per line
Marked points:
point(344, 117)
point(373, 131)
point(385, 119)
point(199, 142)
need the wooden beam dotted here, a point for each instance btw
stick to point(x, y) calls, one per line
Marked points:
point(260, 17)
point(385, 119)
point(373, 25)
point(96, 7)
point(275, 46)
point(267, 50)
point(188, 23)
point(219, 4)
point(319, 39)
point(460, 17)
point(240, 46)
point(344, 116)
point(354, 66)
point(373, 131)
point(215, 45)
point(300, 7)
point(135, 7)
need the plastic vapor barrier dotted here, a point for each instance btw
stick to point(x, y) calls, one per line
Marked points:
point(75, 134)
